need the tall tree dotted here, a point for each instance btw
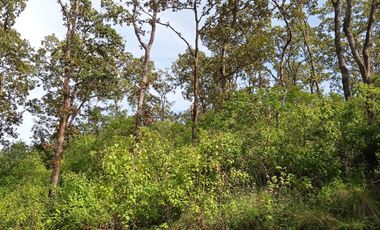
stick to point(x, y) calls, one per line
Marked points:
point(199, 12)
point(182, 69)
point(364, 61)
point(154, 6)
point(339, 49)
point(140, 14)
point(15, 69)
point(284, 10)
point(238, 36)
point(368, 10)
point(310, 45)
point(83, 67)
point(71, 15)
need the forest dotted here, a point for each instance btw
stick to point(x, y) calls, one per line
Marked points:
point(282, 130)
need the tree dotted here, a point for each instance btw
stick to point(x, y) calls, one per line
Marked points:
point(364, 61)
point(340, 51)
point(238, 37)
point(85, 66)
point(142, 13)
point(284, 10)
point(208, 79)
point(199, 13)
point(15, 69)
point(155, 107)
point(310, 45)
point(163, 87)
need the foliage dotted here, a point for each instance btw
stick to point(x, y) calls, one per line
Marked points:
point(16, 67)
point(278, 169)
point(270, 147)
point(80, 204)
point(23, 186)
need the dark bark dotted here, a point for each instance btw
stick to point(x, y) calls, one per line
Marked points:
point(194, 116)
point(1, 85)
point(367, 47)
point(310, 56)
point(195, 65)
point(289, 37)
point(340, 51)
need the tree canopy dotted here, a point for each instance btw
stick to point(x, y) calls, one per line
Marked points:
point(282, 131)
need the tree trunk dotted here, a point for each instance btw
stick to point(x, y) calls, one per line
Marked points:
point(364, 62)
point(313, 76)
point(141, 95)
point(1, 85)
point(144, 83)
point(289, 37)
point(340, 52)
point(234, 4)
point(194, 136)
point(65, 109)
point(60, 138)
point(222, 71)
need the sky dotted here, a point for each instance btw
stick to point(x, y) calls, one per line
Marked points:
point(44, 17)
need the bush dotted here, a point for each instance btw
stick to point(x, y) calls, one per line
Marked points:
point(23, 191)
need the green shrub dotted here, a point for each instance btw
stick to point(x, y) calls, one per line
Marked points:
point(23, 193)
point(81, 203)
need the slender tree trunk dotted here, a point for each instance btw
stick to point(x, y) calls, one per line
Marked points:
point(196, 98)
point(364, 62)
point(1, 85)
point(234, 4)
point(163, 102)
point(195, 68)
point(202, 99)
point(222, 70)
point(313, 76)
point(141, 94)
point(144, 83)
point(289, 37)
point(65, 109)
point(194, 135)
point(340, 52)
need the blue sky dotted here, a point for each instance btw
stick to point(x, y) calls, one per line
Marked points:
point(43, 17)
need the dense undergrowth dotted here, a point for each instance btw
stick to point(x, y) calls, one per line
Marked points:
point(267, 160)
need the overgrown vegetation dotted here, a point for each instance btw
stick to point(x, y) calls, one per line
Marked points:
point(283, 131)
point(296, 166)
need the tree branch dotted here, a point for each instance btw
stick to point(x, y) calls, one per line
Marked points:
point(63, 7)
point(347, 27)
point(178, 34)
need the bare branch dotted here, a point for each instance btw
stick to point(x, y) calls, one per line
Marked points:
point(206, 12)
point(64, 8)
point(178, 34)
point(135, 26)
